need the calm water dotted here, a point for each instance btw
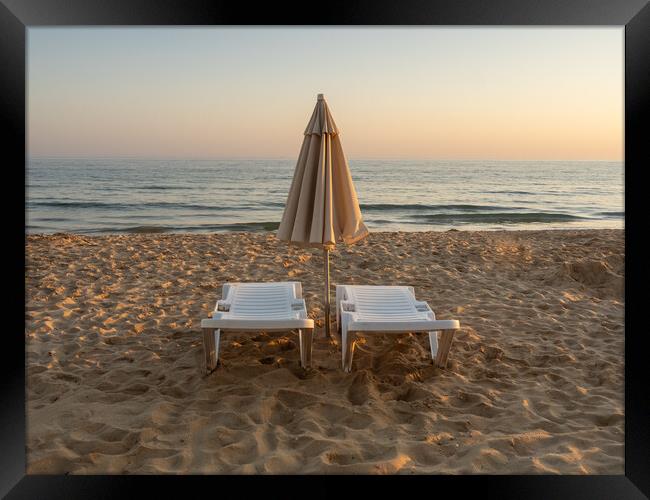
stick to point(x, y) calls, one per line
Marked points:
point(111, 196)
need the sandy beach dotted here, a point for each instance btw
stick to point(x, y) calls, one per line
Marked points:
point(534, 383)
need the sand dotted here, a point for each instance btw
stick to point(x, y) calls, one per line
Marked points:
point(534, 382)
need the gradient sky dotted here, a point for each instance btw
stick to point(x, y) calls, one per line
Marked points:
point(435, 93)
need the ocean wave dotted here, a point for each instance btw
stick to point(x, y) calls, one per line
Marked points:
point(106, 206)
point(499, 218)
point(611, 214)
point(235, 227)
point(506, 192)
point(100, 205)
point(248, 226)
point(163, 188)
point(418, 207)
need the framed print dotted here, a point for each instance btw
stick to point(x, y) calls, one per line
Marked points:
point(268, 248)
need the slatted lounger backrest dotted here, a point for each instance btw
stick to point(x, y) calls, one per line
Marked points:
point(267, 300)
point(382, 303)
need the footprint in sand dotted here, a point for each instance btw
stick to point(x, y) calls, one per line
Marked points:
point(361, 389)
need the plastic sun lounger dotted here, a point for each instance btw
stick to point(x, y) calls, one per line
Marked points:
point(389, 309)
point(258, 306)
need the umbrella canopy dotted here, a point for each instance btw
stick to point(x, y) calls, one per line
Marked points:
point(322, 207)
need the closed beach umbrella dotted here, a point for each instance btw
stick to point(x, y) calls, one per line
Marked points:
point(322, 207)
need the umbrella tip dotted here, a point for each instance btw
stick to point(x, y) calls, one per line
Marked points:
point(321, 97)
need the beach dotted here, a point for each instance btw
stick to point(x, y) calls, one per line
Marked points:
point(534, 382)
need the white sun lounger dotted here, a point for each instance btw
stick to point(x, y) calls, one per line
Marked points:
point(388, 309)
point(258, 306)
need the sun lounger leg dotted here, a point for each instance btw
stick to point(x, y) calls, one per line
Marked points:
point(348, 344)
point(211, 348)
point(217, 340)
point(305, 336)
point(433, 341)
point(445, 345)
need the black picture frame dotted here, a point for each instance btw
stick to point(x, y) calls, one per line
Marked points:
point(18, 15)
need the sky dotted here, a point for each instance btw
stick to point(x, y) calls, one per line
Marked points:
point(503, 93)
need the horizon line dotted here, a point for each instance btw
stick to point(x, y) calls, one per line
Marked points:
point(294, 158)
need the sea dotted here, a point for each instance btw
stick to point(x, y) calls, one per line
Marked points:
point(121, 195)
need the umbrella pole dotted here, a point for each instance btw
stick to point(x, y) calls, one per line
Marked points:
point(326, 268)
